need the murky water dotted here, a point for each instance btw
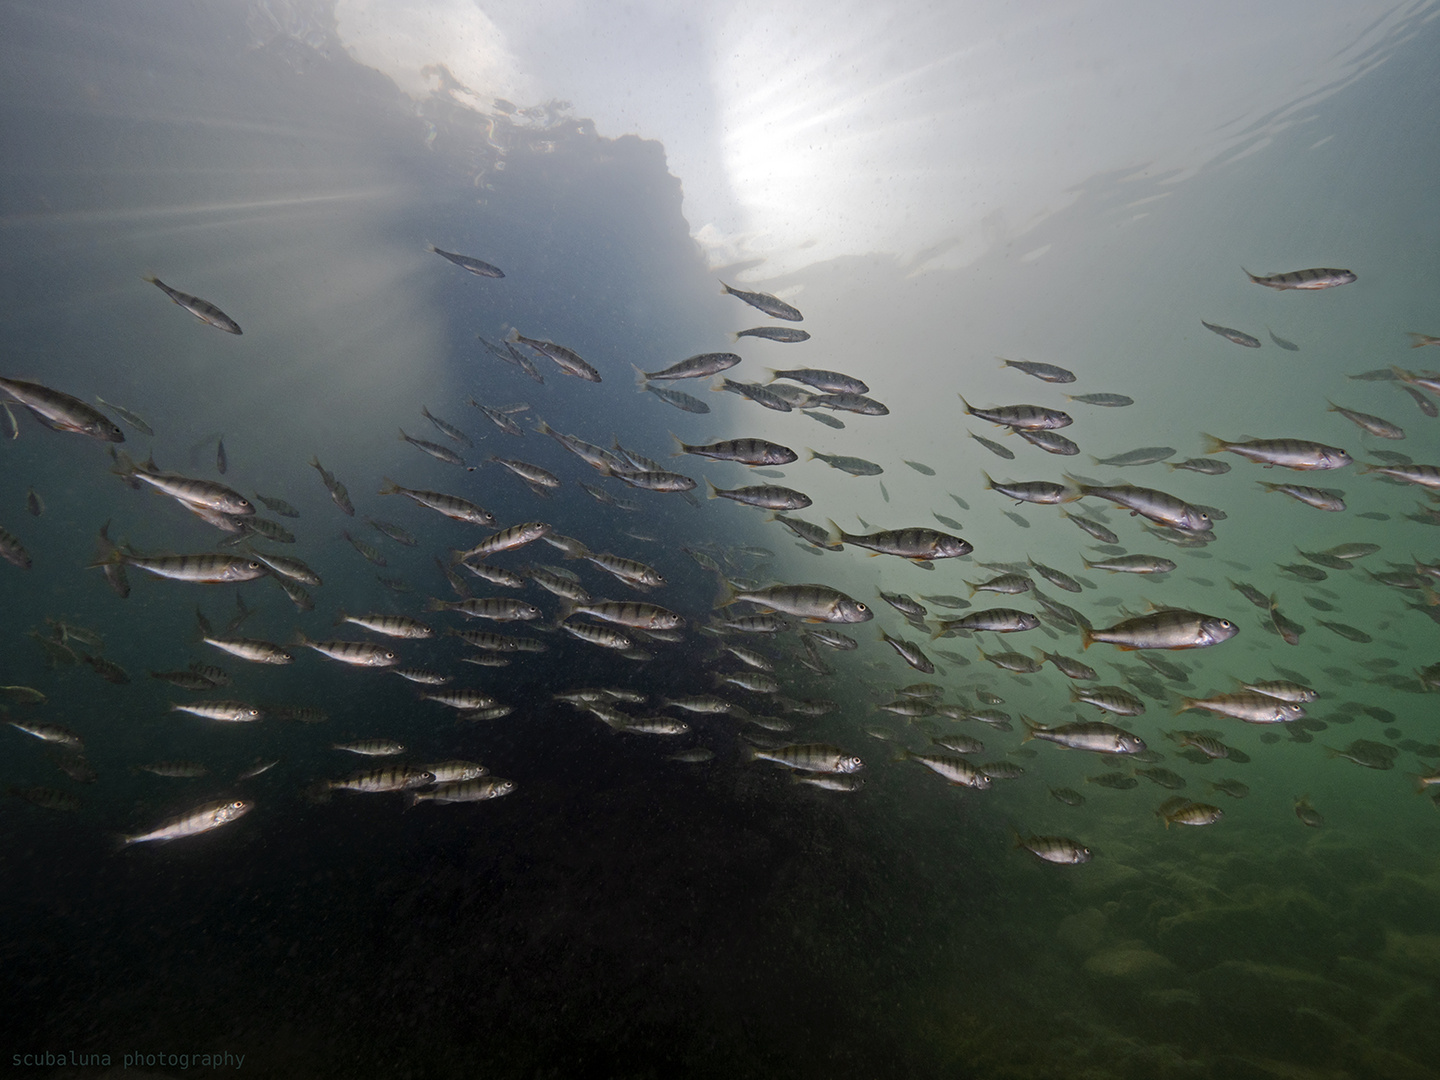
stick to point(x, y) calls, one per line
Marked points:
point(933, 194)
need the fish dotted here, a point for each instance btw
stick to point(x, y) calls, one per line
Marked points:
point(201, 819)
point(1111, 699)
point(918, 544)
point(138, 423)
point(387, 778)
point(853, 465)
point(1239, 337)
point(1044, 372)
point(354, 653)
point(1248, 705)
point(700, 366)
point(13, 551)
point(1146, 455)
point(767, 497)
point(827, 382)
point(1107, 401)
point(451, 506)
point(1300, 454)
point(1307, 813)
point(1044, 492)
point(222, 462)
point(51, 733)
point(1204, 466)
point(435, 450)
point(1303, 279)
point(1319, 498)
point(371, 747)
point(828, 421)
point(1020, 416)
point(1169, 628)
point(1068, 796)
point(1132, 564)
point(445, 427)
point(1092, 527)
point(396, 626)
point(742, 451)
point(1374, 425)
point(957, 770)
point(1288, 346)
point(813, 603)
point(1058, 850)
point(770, 305)
point(567, 359)
point(1052, 442)
point(679, 400)
point(278, 506)
point(783, 334)
point(61, 412)
point(465, 262)
point(1425, 405)
point(854, 403)
point(1157, 506)
point(203, 310)
point(994, 447)
point(994, 620)
point(1184, 812)
point(910, 653)
point(481, 789)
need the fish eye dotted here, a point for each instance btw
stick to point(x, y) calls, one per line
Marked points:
point(389, 656)
point(238, 804)
point(252, 565)
point(1226, 624)
point(860, 607)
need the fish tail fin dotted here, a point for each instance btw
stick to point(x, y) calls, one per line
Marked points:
point(773, 375)
point(727, 593)
point(835, 535)
point(340, 617)
point(432, 604)
point(811, 455)
point(106, 553)
point(118, 842)
point(317, 792)
point(725, 290)
point(567, 608)
point(989, 480)
point(151, 278)
point(1251, 276)
point(681, 449)
point(1186, 704)
point(901, 753)
point(641, 379)
point(1087, 637)
point(389, 487)
point(513, 335)
point(1214, 445)
point(710, 489)
point(411, 798)
point(1030, 727)
point(968, 409)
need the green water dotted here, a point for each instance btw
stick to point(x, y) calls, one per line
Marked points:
point(934, 191)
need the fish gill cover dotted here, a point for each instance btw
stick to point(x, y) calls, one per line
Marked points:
point(380, 684)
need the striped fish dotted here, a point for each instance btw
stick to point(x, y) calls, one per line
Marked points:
point(356, 653)
point(465, 262)
point(1020, 416)
point(567, 359)
point(629, 613)
point(252, 649)
point(388, 778)
point(396, 626)
point(202, 819)
point(452, 506)
point(695, 367)
point(783, 334)
point(765, 496)
point(806, 757)
point(475, 790)
point(435, 450)
point(744, 451)
point(506, 540)
point(203, 310)
point(1170, 628)
point(499, 608)
point(1319, 278)
point(61, 412)
point(1238, 337)
point(956, 770)
point(229, 712)
point(770, 305)
point(445, 427)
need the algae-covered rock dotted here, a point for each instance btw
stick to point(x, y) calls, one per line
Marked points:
point(1083, 931)
point(1130, 963)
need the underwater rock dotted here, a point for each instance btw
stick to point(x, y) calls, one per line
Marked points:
point(1130, 963)
point(1083, 931)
